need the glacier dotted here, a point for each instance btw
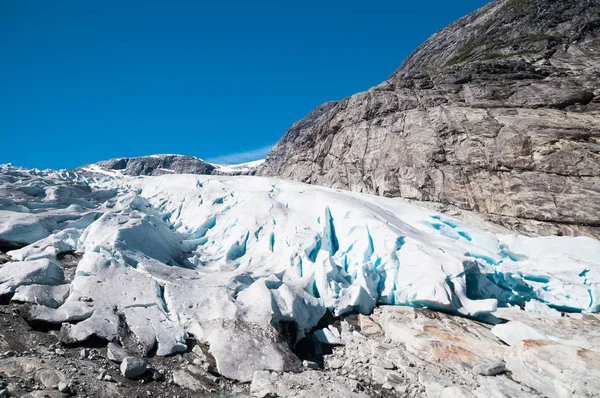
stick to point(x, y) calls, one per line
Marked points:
point(250, 265)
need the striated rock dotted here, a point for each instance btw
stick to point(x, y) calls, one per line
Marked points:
point(439, 337)
point(499, 113)
point(555, 370)
point(430, 354)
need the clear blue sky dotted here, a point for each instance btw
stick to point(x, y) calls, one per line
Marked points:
point(83, 81)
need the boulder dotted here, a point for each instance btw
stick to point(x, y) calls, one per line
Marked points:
point(133, 367)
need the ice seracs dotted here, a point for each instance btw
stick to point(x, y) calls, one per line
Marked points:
point(250, 265)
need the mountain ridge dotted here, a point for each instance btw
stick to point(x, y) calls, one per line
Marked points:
point(160, 164)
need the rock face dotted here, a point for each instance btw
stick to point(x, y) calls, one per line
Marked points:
point(499, 113)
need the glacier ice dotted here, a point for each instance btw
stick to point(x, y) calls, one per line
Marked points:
point(537, 307)
point(242, 261)
point(16, 274)
point(329, 335)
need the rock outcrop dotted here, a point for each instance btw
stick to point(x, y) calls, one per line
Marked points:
point(499, 113)
point(156, 165)
point(406, 352)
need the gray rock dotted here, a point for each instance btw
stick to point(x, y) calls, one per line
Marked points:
point(115, 353)
point(208, 367)
point(49, 377)
point(256, 348)
point(496, 114)
point(133, 367)
point(490, 368)
point(4, 258)
point(199, 353)
point(335, 363)
point(45, 372)
point(310, 365)
point(64, 387)
point(183, 379)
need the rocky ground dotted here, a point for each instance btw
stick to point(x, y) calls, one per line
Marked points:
point(395, 352)
point(34, 363)
point(406, 352)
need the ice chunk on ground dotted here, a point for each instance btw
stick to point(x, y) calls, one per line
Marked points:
point(329, 335)
point(46, 295)
point(513, 332)
point(15, 274)
point(60, 242)
point(537, 307)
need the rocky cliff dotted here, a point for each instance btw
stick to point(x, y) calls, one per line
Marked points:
point(499, 113)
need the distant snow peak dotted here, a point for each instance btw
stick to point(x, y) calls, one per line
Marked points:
point(239, 168)
point(230, 259)
point(155, 165)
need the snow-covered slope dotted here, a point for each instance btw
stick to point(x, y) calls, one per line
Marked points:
point(239, 169)
point(234, 261)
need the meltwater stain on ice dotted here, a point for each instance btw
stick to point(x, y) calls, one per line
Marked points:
point(448, 228)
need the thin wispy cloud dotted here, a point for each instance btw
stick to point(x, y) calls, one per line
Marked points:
point(242, 157)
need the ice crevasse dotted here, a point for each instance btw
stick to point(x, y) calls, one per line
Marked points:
point(235, 260)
